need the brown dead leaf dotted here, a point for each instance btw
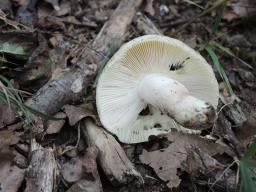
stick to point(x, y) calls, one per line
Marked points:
point(7, 116)
point(38, 66)
point(54, 3)
point(149, 8)
point(230, 16)
point(90, 180)
point(64, 8)
point(6, 6)
point(167, 161)
point(243, 8)
point(54, 126)
point(247, 131)
point(72, 170)
point(11, 176)
point(81, 168)
point(239, 9)
point(12, 23)
point(20, 2)
point(7, 138)
point(76, 113)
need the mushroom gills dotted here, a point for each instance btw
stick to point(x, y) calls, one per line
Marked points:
point(163, 73)
point(174, 99)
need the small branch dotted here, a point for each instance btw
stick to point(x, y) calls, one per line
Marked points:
point(145, 25)
point(112, 158)
point(42, 172)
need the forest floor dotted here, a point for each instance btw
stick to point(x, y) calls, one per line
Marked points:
point(41, 41)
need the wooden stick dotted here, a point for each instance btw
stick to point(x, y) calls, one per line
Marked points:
point(145, 25)
point(112, 158)
point(42, 172)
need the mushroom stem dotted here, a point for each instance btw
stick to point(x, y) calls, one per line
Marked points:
point(174, 99)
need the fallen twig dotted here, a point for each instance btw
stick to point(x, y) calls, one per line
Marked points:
point(42, 172)
point(112, 158)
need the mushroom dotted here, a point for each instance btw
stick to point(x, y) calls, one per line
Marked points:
point(154, 84)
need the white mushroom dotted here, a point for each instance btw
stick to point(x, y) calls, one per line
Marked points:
point(153, 84)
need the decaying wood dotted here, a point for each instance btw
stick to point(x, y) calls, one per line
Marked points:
point(71, 85)
point(66, 88)
point(145, 25)
point(42, 172)
point(90, 182)
point(112, 158)
point(112, 34)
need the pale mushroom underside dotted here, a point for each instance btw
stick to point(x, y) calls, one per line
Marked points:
point(118, 103)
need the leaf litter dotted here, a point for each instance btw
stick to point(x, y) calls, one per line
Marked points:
point(168, 162)
point(68, 25)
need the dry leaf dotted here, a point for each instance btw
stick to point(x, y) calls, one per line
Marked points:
point(244, 8)
point(149, 8)
point(12, 23)
point(11, 176)
point(230, 16)
point(7, 116)
point(64, 8)
point(7, 138)
point(54, 126)
point(91, 179)
point(6, 6)
point(72, 170)
point(76, 113)
point(167, 161)
point(54, 3)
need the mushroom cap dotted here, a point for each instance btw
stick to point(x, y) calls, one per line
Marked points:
point(118, 104)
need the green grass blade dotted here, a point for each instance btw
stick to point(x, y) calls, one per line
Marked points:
point(14, 91)
point(15, 99)
point(238, 108)
point(221, 48)
point(219, 16)
point(250, 162)
point(251, 151)
point(12, 48)
point(42, 114)
point(247, 184)
point(227, 51)
point(219, 67)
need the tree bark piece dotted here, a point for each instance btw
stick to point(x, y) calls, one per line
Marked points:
point(41, 174)
point(112, 34)
point(145, 25)
point(71, 85)
point(112, 158)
